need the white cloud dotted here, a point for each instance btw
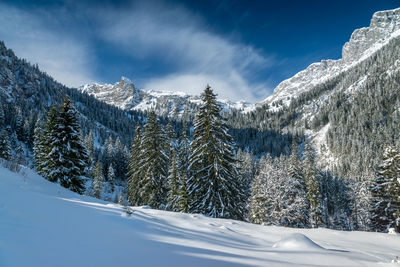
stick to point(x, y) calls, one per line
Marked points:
point(180, 40)
point(28, 33)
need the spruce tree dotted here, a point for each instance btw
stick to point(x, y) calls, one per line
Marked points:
point(173, 185)
point(183, 200)
point(385, 192)
point(153, 164)
point(5, 149)
point(213, 184)
point(68, 154)
point(297, 196)
point(134, 169)
point(45, 163)
point(38, 147)
point(312, 176)
point(98, 180)
point(111, 177)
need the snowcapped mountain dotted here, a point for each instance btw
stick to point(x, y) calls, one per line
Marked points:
point(126, 96)
point(364, 42)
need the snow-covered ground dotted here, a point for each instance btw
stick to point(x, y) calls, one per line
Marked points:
point(42, 224)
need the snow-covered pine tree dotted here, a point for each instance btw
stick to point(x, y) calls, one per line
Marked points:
point(38, 148)
point(134, 170)
point(5, 149)
point(311, 175)
point(183, 201)
point(268, 201)
point(89, 144)
point(98, 180)
point(183, 151)
point(385, 192)
point(258, 202)
point(361, 205)
point(19, 124)
point(111, 177)
point(119, 159)
point(213, 184)
point(153, 164)
point(2, 116)
point(173, 185)
point(44, 147)
point(68, 153)
point(297, 196)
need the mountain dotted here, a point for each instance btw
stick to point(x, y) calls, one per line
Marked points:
point(364, 42)
point(56, 227)
point(126, 96)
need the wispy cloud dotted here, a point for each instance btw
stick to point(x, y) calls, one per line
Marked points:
point(63, 56)
point(195, 55)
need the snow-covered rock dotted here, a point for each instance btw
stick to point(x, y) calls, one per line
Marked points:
point(363, 43)
point(297, 241)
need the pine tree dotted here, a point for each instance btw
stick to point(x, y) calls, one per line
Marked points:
point(119, 159)
point(44, 147)
point(385, 192)
point(173, 185)
point(19, 125)
point(2, 116)
point(297, 196)
point(98, 180)
point(183, 151)
point(38, 147)
point(213, 185)
point(5, 149)
point(134, 170)
point(153, 164)
point(312, 175)
point(183, 200)
point(68, 154)
point(111, 177)
point(268, 201)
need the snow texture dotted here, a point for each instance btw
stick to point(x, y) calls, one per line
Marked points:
point(43, 224)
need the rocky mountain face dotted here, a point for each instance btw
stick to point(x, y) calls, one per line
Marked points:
point(364, 42)
point(126, 96)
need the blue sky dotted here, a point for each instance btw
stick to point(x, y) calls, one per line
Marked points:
point(243, 49)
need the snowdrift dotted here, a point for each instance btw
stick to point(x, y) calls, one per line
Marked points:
point(43, 224)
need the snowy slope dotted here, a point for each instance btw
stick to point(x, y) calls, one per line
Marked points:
point(42, 224)
point(126, 96)
point(364, 42)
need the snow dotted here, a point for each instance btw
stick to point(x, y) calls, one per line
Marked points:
point(43, 224)
point(297, 241)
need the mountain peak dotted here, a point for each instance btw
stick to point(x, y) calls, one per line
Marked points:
point(364, 42)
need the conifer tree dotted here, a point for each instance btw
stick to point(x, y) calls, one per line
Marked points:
point(98, 180)
point(312, 175)
point(173, 185)
point(2, 116)
point(38, 147)
point(5, 149)
point(19, 125)
point(153, 164)
point(44, 146)
point(297, 196)
point(68, 154)
point(134, 170)
point(213, 185)
point(385, 192)
point(111, 177)
point(183, 151)
point(183, 200)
